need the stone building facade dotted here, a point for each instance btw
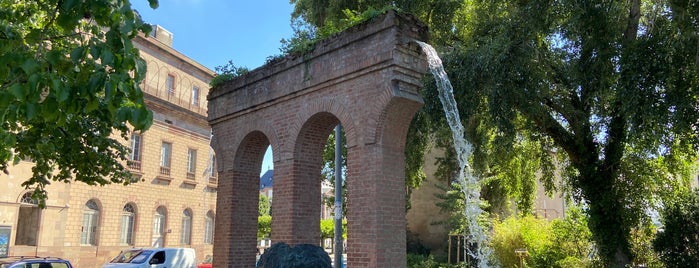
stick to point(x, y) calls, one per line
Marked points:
point(174, 203)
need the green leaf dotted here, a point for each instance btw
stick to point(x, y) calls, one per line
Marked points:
point(62, 93)
point(95, 51)
point(146, 28)
point(69, 4)
point(31, 109)
point(92, 105)
point(107, 57)
point(140, 67)
point(153, 4)
point(141, 118)
point(18, 91)
point(127, 27)
point(50, 109)
point(5, 100)
point(30, 66)
point(96, 80)
point(54, 57)
point(77, 54)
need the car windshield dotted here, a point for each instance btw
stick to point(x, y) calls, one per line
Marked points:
point(132, 256)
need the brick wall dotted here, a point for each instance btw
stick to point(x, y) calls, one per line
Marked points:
point(366, 79)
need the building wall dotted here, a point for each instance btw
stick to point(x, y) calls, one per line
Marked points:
point(177, 120)
point(424, 213)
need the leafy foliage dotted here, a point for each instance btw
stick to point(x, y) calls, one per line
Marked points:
point(327, 228)
point(677, 243)
point(265, 207)
point(641, 240)
point(264, 226)
point(422, 261)
point(226, 73)
point(527, 233)
point(306, 36)
point(594, 83)
point(69, 83)
point(559, 243)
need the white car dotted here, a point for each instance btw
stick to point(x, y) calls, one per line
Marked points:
point(154, 258)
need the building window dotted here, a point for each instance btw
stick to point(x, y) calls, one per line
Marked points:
point(185, 237)
point(214, 168)
point(209, 228)
point(159, 221)
point(191, 163)
point(28, 221)
point(165, 156)
point(195, 96)
point(128, 219)
point(135, 156)
point(91, 214)
point(170, 84)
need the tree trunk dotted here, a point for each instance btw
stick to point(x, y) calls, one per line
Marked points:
point(610, 228)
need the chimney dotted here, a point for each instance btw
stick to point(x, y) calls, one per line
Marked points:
point(164, 36)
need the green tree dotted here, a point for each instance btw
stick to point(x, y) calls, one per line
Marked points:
point(69, 81)
point(611, 86)
point(264, 226)
point(606, 90)
point(678, 243)
point(327, 229)
point(265, 207)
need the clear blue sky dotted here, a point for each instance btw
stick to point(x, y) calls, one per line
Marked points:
point(212, 32)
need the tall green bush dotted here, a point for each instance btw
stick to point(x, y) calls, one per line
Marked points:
point(678, 242)
point(571, 242)
point(560, 243)
point(514, 233)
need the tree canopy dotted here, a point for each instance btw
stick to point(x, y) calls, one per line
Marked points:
point(69, 83)
point(603, 93)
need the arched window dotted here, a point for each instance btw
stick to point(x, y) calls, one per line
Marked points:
point(128, 220)
point(91, 214)
point(209, 229)
point(28, 221)
point(186, 235)
point(159, 222)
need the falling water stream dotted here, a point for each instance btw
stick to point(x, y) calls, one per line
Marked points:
point(469, 183)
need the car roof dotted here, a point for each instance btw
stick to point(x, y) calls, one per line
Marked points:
point(13, 259)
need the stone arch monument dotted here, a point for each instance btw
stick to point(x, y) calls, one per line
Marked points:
point(367, 79)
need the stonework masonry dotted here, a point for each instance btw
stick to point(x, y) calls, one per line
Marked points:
point(366, 79)
point(179, 119)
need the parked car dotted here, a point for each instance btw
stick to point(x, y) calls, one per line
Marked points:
point(207, 263)
point(34, 262)
point(154, 258)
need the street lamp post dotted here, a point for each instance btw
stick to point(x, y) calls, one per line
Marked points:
point(337, 248)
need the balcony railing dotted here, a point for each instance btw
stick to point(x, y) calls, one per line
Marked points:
point(134, 165)
point(165, 171)
point(179, 98)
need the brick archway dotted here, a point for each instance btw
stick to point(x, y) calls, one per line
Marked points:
point(367, 79)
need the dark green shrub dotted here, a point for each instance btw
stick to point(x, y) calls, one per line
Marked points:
point(678, 241)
